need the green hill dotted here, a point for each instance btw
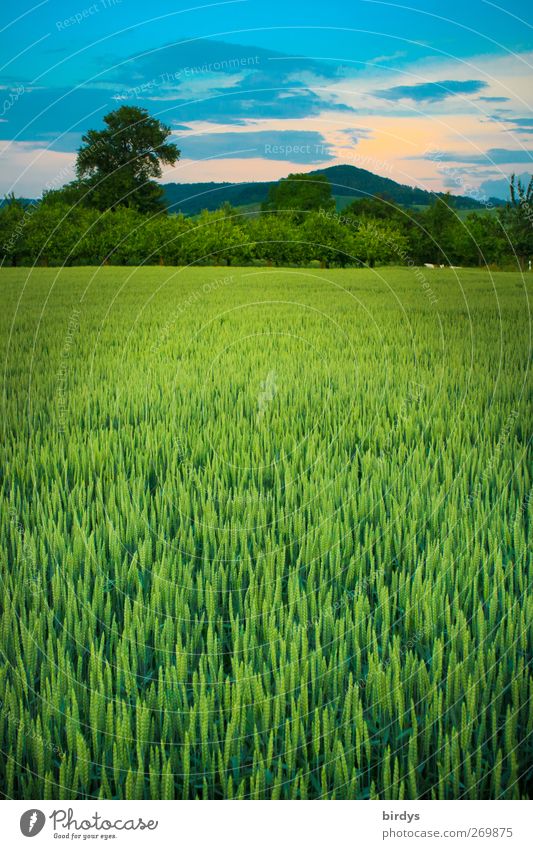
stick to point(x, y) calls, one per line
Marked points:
point(348, 183)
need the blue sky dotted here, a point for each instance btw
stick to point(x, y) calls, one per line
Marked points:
point(430, 94)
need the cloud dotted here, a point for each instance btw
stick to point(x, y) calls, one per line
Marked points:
point(215, 95)
point(196, 80)
point(502, 156)
point(431, 91)
point(223, 82)
point(187, 89)
point(521, 125)
point(398, 54)
point(301, 147)
point(513, 125)
point(356, 133)
point(500, 188)
point(30, 168)
point(493, 156)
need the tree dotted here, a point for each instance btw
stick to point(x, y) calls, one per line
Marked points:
point(218, 238)
point(380, 241)
point(58, 234)
point(77, 193)
point(328, 239)
point(14, 217)
point(442, 222)
point(277, 240)
point(381, 207)
point(117, 237)
point(117, 166)
point(482, 240)
point(301, 193)
point(517, 219)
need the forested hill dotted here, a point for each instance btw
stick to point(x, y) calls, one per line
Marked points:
point(347, 182)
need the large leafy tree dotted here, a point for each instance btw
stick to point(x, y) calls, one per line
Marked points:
point(117, 166)
point(301, 193)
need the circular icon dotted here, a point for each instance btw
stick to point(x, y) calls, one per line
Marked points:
point(32, 822)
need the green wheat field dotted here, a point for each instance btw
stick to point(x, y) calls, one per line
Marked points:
point(264, 534)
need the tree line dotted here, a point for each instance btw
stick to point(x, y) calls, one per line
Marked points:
point(114, 213)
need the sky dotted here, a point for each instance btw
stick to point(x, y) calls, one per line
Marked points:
point(428, 94)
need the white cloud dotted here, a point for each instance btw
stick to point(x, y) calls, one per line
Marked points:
point(28, 167)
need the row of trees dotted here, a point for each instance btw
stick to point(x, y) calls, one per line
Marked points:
point(56, 234)
point(114, 212)
point(367, 232)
